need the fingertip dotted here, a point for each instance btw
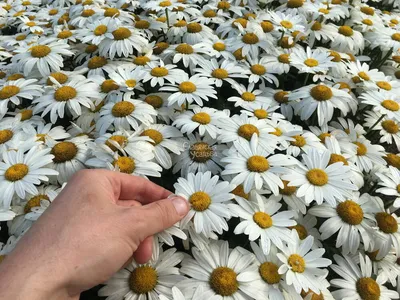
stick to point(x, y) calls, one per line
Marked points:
point(145, 250)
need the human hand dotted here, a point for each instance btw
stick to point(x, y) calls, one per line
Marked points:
point(91, 230)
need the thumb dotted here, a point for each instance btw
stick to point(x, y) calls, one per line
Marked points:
point(162, 214)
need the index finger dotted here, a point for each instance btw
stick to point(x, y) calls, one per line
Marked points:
point(129, 187)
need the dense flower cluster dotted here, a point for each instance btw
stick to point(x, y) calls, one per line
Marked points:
point(277, 120)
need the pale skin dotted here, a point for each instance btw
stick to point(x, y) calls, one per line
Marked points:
point(97, 224)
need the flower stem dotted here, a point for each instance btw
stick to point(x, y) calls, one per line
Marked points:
point(376, 123)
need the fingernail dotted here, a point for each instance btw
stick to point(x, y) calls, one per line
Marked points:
point(180, 205)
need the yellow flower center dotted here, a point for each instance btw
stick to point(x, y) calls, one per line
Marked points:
point(165, 3)
point(261, 113)
point(155, 135)
point(390, 126)
point(34, 202)
point(108, 85)
point(286, 24)
point(281, 97)
point(325, 11)
point(394, 21)
point(184, 49)
point(180, 23)
point(60, 77)
point(287, 190)
point(277, 132)
point(367, 22)
point(200, 201)
point(219, 46)
point(187, 87)
point(368, 289)
point(316, 26)
point(2, 75)
point(91, 49)
point(219, 73)
point(239, 191)
point(40, 51)
point(202, 118)
point(154, 100)
point(122, 109)
point(364, 76)
point(392, 160)
point(120, 139)
point(361, 149)
point(384, 85)
point(223, 5)
point(314, 296)
point(396, 37)
point(350, 212)
point(258, 69)
point(111, 11)
point(311, 62)
point(338, 158)
point(65, 93)
point(209, 13)
point(223, 281)
point(64, 34)
point(301, 231)
point(200, 152)
point(26, 114)
point(386, 222)
point(250, 38)
point(321, 93)
point(97, 62)
point(20, 37)
point(299, 141)
point(16, 172)
point(297, 263)
point(141, 60)
point(247, 130)
point(317, 177)
point(30, 24)
point(335, 56)
point(372, 255)
point(269, 272)
point(294, 3)
point(87, 13)
point(159, 72)
point(249, 97)
point(131, 83)
point(143, 279)
point(64, 151)
point(194, 27)
point(125, 164)
point(121, 33)
point(323, 136)
point(9, 91)
point(267, 26)
point(15, 77)
point(100, 30)
point(367, 10)
point(257, 163)
point(53, 12)
point(284, 58)
point(142, 24)
point(346, 30)
point(390, 105)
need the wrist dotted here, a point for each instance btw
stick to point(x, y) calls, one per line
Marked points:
point(21, 279)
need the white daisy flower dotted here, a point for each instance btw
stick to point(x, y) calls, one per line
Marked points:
point(352, 218)
point(188, 90)
point(319, 181)
point(196, 32)
point(383, 102)
point(222, 271)
point(46, 55)
point(390, 182)
point(255, 166)
point(127, 79)
point(158, 73)
point(190, 55)
point(303, 143)
point(209, 199)
point(249, 95)
point(367, 154)
point(19, 172)
point(358, 281)
point(288, 195)
point(201, 154)
point(204, 119)
point(72, 95)
point(146, 281)
point(12, 136)
point(388, 128)
point(261, 219)
point(124, 114)
point(279, 62)
point(47, 132)
point(309, 61)
point(348, 40)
